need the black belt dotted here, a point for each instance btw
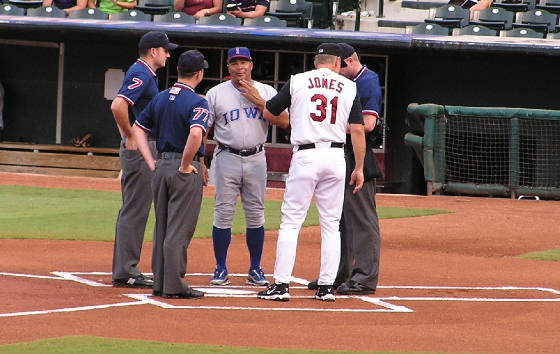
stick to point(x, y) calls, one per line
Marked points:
point(312, 146)
point(242, 152)
point(170, 155)
point(176, 155)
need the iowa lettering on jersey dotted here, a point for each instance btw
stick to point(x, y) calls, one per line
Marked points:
point(236, 114)
point(326, 83)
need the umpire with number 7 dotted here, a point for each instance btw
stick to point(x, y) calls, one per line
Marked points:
point(177, 117)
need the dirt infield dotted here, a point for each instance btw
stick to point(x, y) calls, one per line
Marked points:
point(448, 283)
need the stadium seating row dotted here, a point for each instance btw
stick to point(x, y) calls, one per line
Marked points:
point(541, 16)
point(137, 15)
point(490, 22)
point(478, 30)
point(287, 13)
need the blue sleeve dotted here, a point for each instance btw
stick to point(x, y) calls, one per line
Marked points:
point(370, 95)
point(199, 115)
point(133, 86)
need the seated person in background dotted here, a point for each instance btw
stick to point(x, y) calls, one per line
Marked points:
point(67, 5)
point(472, 5)
point(247, 8)
point(113, 6)
point(198, 8)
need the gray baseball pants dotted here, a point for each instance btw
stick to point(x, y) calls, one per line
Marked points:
point(177, 200)
point(360, 238)
point(237, 175)
point(131, 221)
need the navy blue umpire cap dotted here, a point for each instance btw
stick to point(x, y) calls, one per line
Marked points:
point(156, 39)
point(239, 52)
point(192, 61)
point(347, 52)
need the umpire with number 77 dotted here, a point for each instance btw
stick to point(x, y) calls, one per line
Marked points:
point(178, 118)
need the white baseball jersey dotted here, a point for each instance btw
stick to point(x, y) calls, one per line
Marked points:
point(237, 122)
point(322, 103)
point(320, 106)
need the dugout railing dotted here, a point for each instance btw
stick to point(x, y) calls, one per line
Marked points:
point(488, 151)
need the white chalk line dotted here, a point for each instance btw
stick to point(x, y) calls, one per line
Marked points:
point(30, 276)
point(149, 299)
point(72, 309)
point(234, 292)
point(73, 277)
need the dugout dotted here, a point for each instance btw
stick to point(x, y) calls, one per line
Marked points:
point(55, 72)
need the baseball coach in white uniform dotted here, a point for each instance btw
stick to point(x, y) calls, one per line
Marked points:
point(323, 105)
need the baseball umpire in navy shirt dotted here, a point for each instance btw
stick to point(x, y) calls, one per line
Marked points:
point(139, 86)
point(177, 117)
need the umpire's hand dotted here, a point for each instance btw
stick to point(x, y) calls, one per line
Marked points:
point(357, 179)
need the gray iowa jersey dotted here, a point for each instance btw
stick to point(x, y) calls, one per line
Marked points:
point(237, 122)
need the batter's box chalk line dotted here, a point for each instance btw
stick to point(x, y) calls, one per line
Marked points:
point(369, 303)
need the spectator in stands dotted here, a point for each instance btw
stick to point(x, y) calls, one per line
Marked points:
point(198, 8)
point(113, 6)
point(472, 5)
point(67, 5)
point(247, 8)
point(480, 5)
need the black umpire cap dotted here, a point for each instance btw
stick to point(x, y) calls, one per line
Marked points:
point(156, 39)
point(192, 61)
point(330, 49)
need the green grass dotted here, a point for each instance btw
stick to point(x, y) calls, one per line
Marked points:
point(91, 345)
point(394, 212)
point(549, 255)
point(67, 214)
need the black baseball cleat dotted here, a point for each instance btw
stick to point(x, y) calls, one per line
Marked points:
point(313, 285)
point(325, 293)
point(139, 281)
point(276, 292)
point(190, 293)
point(158, 293)
point(352, 287)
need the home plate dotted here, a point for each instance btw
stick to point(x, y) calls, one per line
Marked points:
point(225, 291)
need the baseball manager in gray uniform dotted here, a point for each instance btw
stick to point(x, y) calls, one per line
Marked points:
point(139, 86)
point(239, 163)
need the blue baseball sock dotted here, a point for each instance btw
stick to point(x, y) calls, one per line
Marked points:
point(221, 239)
point(255, 241)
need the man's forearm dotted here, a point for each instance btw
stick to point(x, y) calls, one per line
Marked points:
point(358, 144)
point(191, 147)
point(142, 142)
point(119, 108)
point(369, 122)
point(282, 120)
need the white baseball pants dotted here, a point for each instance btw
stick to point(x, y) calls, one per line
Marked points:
point(319, 173)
